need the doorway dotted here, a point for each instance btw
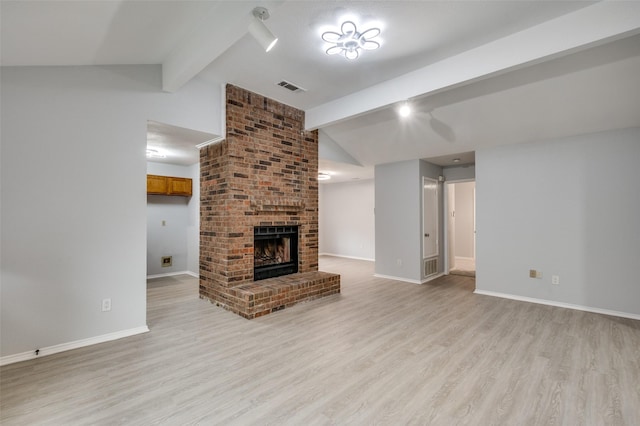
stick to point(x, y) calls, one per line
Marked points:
point(461, 228)
point(173, 222)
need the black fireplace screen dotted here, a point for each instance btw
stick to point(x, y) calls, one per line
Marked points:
point(275, 251)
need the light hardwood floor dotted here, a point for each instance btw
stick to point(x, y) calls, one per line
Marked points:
point(382, 352)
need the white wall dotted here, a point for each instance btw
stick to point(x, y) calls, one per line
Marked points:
point(454, 173)
point(179, 237)
point(464, 219)
point(347, 221)
point(74, 196)
point(193, 227)
point(567, 207)
point(398, 218)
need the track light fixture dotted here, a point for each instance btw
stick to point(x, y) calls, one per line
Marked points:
point(259, 30)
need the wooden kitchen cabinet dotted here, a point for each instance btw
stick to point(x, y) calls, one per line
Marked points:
point(169, 185)
point(179, 186)
point(156, 184)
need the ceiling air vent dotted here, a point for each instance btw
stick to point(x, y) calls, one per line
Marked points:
point(290, 86)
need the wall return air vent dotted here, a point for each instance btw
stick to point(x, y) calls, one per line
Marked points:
point(430, 267)
point(290, 86)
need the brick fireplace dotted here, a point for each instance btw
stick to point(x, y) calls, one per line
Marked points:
point(263, 175)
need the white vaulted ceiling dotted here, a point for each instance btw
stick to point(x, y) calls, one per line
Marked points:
point(477, 73)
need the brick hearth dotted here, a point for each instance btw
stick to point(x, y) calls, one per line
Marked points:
point(263, 174)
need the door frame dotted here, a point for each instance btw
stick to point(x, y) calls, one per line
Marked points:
point(446, 223)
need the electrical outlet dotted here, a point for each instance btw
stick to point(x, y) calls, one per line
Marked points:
point(106, 305)
point(555, 279)
point(399, 262)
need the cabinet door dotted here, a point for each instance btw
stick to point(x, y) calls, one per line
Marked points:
point(179, 186)
point(156, 184)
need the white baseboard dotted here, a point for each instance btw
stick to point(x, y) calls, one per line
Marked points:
point(433, 277)
point(346, 257)
point(173, 274)
point(464, 259)
point(406, 280)
point(391, 277)
point(50, 350)
point(559, 304)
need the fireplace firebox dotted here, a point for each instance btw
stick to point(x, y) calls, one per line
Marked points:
point(275, 251)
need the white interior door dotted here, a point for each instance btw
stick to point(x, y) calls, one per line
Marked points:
point(430, 217)
point(451, 225)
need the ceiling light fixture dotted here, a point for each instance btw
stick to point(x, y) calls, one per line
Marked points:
point(456, 160)
point(154, 153)
point(259, 30)
point(350, 42)
point(404, 110)
point(324, 176)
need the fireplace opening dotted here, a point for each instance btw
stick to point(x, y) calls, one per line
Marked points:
point(275, 251)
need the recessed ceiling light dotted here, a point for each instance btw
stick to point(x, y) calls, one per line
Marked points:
point(324, 176)
point(456, 160)
point(405, 110)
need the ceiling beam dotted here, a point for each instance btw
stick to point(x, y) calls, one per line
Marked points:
point(596, 24)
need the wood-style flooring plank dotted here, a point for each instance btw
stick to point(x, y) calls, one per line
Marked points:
point(381, 352)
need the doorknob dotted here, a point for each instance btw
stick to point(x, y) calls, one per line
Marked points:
point(426, 235)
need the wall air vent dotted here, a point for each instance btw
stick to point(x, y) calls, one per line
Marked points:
point(290, 86)
point(430, 267)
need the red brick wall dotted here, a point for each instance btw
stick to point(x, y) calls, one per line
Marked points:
point(263, 173)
